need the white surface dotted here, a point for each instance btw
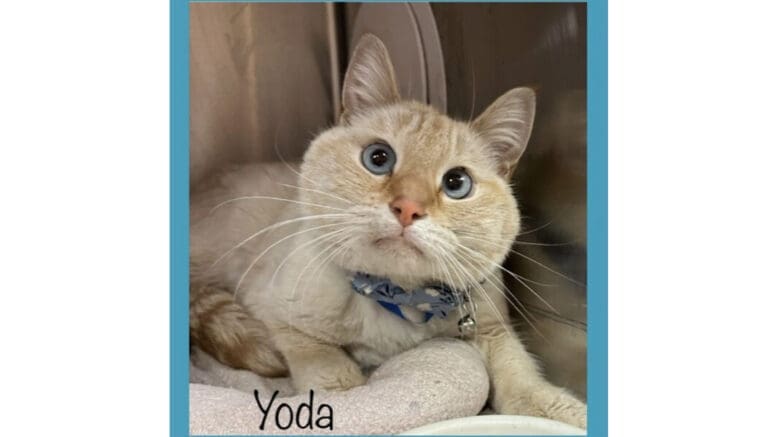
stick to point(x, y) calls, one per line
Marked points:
point(692, 218)
point(497, 425)
point(84, 238)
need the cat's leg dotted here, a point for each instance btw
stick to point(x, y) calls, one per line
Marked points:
point(224, 329)
point(315, 364)
point(517, 387)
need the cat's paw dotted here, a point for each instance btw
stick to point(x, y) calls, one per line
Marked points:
point(564, 407)
point(330, 378)
point(550, 402)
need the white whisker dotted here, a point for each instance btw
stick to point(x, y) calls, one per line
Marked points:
point(304, 245)
point(320, 268)
point(324, 256)
point(283, 160)
point(536, 262)
point(478, 237)
point(527, 257)
point(539, 228)
point(280, 199)
point(315, 191)
point(457, 267)
point(512, 274)
point(525, 313)
point(275, 226)
point(253, 263)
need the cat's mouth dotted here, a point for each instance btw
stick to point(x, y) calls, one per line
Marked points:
point(397, 243)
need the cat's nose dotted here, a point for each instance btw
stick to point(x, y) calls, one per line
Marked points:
point(407, 210)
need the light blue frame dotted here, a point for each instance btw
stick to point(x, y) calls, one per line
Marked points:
point(179, 216)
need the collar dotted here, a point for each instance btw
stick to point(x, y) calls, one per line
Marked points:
point(418, 305)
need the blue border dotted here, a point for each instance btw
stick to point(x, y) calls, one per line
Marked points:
point(179, 218)
point(596, 220)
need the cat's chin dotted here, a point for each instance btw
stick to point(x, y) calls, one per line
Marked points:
point(398, 246)
point(387, 256)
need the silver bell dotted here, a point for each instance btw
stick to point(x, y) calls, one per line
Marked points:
point(467, 326)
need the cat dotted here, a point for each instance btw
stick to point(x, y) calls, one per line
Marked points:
point(397, 191)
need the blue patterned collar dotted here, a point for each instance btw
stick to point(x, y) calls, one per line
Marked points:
point(418, 306)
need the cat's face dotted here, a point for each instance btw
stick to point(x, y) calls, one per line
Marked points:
point(423, 196)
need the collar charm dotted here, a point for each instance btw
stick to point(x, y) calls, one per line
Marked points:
point(467, 326)
point(419, 305)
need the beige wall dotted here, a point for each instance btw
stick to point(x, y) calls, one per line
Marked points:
point(259, 72)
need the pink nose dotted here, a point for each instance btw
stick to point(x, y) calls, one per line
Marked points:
point(407, 211)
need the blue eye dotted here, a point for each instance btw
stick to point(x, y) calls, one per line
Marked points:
point(456, 183)
point(379, 158)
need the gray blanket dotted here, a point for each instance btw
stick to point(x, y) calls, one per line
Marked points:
point(438, 380)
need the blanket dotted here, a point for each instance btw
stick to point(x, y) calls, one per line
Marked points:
point(438, 380)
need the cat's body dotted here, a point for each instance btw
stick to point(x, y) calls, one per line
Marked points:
point(323, 303)
point(287, 241)
point(313, 304)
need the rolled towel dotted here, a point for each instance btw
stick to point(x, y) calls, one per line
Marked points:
point(438, 380)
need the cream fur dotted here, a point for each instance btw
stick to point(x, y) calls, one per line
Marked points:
point(299, 287)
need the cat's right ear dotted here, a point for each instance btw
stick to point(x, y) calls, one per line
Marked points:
point(506, 126)
point(369, 81)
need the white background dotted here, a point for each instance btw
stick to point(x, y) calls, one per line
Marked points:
point(84, 218)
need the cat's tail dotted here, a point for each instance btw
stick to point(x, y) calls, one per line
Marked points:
point(224, 329)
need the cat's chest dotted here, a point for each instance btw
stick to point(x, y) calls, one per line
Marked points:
point(383, 334)
point(322, 303)
point(370, 332)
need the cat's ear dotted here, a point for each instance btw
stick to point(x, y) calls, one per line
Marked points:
point(506, 126)
point(369, 81)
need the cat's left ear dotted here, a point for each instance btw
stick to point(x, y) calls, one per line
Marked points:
point(369, 81)
point(506, 126)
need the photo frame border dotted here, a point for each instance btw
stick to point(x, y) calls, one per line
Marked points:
point(597, 211)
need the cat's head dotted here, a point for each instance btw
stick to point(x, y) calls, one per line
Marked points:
point(424, 196)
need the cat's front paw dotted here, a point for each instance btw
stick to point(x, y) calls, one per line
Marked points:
point(550, 402)
point(330, 378)
point(564, 407)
